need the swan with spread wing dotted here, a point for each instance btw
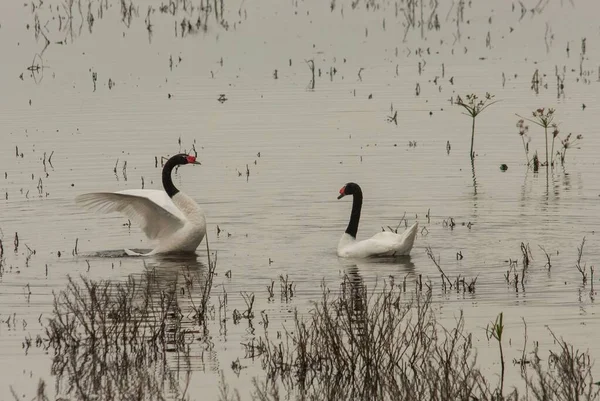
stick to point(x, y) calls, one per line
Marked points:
point(170, 217)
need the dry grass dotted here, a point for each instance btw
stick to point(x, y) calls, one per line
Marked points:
point(111, 341)
point(386, 346)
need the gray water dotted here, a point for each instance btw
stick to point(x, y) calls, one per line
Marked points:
point(301, 141)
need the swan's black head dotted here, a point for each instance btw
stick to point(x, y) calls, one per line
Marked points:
point(172, 163)
point(183, 158)
point(350, 188)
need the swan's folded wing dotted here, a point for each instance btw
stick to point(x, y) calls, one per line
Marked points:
point(398, 244)
point(379, 244)
point(375, 246)
point(156, 221)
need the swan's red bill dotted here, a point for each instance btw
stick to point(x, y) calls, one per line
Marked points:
point(342, 192)
point(192, 160)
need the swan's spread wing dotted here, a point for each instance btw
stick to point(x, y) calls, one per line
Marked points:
point(159, 197)
point(155, 219)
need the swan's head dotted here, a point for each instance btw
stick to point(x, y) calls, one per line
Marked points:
point(182, 158)
point(350, 188)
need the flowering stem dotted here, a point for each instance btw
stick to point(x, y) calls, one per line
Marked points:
point(472, 137)
point(546, 131)
point(525, 149)
point(552, 152)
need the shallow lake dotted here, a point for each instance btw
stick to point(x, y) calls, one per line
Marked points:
point(91, 104)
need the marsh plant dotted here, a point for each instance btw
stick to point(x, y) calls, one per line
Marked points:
point(388, 345)
point(544, 118)
point(568, 143)
point(113, 340)
point(495, 331)
point(525, 139)
point(475, 106)
point(131, 341)
point(380, 346)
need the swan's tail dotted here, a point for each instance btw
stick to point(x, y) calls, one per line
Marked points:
point(411, 231)
point(408, 239)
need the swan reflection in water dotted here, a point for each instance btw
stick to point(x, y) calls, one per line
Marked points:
point(179, 284)
point(137, 338)
point(357, 297)
point(177, 270)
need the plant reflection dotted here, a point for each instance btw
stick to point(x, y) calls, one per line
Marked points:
point(132, 339)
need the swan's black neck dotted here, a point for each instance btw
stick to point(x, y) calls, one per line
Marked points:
point(355, 215)
point(170, 188)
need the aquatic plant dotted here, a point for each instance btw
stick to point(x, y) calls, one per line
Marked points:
point(106, 337)
point(523, 129)
point(545, 118)
point(549, 262)
point(374, 347)
point(555, 132)
point(512, 275)
point(581, 269)
point(381, 346)
point(567, 143)
point(201, 310)
point(459, 283)
point(389, 346)
point(311, 66)
point(225, 391)
point(475, 106)
point(536, 162)
point(568, 376)
point(495, 331)
point(112, 340)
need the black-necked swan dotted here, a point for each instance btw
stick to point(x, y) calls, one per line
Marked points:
point(171, 217)
point(381, 244)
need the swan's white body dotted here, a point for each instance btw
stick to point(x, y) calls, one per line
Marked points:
point(381, 244)
point(177, 223)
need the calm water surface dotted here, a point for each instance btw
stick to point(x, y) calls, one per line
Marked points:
point(300, 144)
